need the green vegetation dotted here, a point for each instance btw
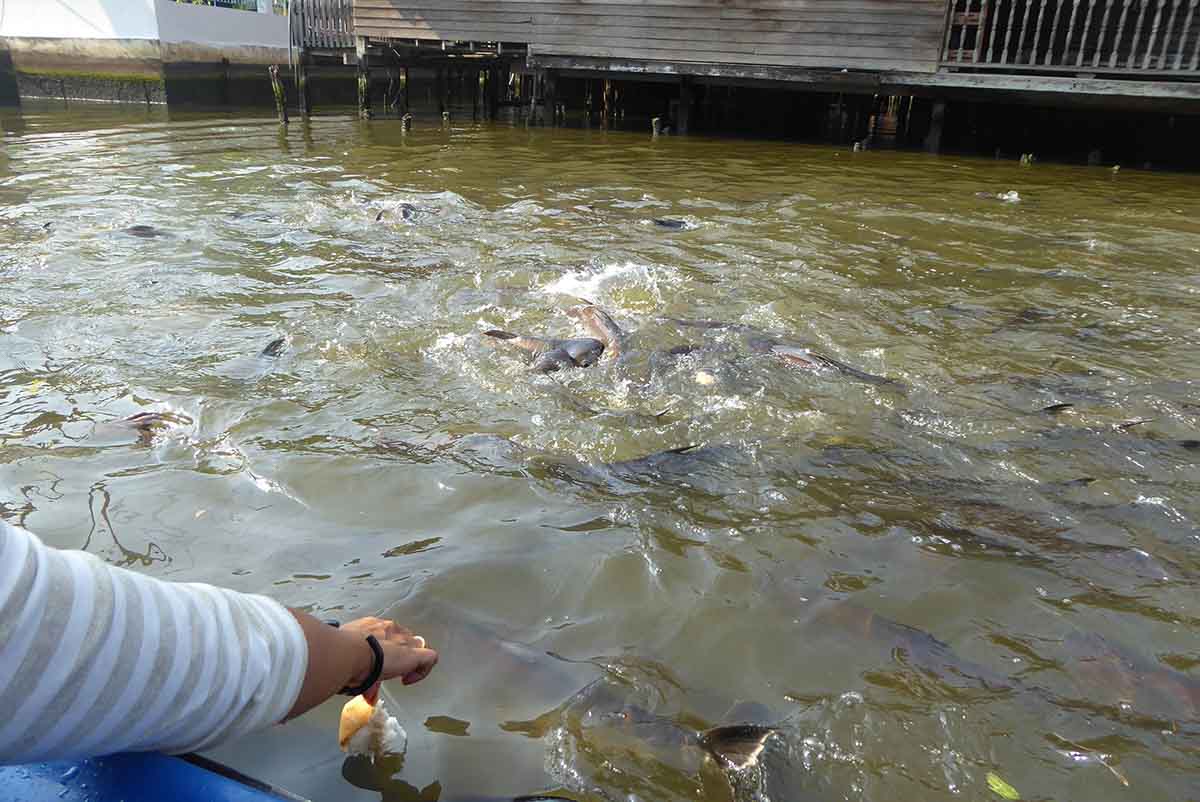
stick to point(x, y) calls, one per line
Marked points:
point(92, 76)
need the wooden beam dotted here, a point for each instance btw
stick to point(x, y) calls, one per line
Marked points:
point(1044, 89)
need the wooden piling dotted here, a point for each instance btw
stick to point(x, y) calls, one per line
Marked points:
point(550, 94)
point(478, 90)
point(441, 89)
point(391, 95)
point(302, 98)
point(280, 97)
point(364, 78)
point(493, 91)
point(531, 117)
point(683, 123)
point(606, 104)
point(937, 122)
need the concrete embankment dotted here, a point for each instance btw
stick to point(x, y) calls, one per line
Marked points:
point(142, 51)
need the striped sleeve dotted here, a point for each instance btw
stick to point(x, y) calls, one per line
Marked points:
point(95, 659)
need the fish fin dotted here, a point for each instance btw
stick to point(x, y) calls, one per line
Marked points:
point(501, 335)
point(667, 411)
point(737, 746)
point(798, 356)
point(379, 216)
point(1056, 408)
point(682, 449)
point(1129, 424)
point(1082, 481)
point(275, 347)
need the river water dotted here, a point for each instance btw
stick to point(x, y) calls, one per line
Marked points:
point(388, 461)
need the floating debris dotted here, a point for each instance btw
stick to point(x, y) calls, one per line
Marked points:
point(1000, 787)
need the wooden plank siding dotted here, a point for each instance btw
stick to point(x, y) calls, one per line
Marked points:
point(829, 34)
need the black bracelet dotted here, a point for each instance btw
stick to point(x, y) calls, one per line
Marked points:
point(376, 670)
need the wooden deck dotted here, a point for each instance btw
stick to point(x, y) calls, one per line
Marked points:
point(902, 35)
point(1120, 53)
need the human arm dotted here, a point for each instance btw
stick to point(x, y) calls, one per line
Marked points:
point(96, 659)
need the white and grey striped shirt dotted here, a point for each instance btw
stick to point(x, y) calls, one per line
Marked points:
point(96, 659)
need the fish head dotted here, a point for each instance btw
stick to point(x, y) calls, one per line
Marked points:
point(583, 352)
point(553, 360)
point(737, 746)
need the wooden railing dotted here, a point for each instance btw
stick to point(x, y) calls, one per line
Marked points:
point(1077, 36)
point(322, 24)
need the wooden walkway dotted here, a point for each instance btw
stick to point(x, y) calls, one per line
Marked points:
point(1131, 53)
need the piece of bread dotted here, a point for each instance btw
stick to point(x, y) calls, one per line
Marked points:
point(370, 730)
point(355, 715)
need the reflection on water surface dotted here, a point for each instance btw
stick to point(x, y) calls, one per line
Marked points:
point(985, 564)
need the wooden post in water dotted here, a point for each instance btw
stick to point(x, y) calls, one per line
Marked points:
point(439, 87)
point(364, 78)
point(550, 94)
point(444, 100)
point(391, 95)
point(476, 92)
point(493, 90)
point(404, 88)
point(937, 121)
point(606, 104)
point(302, 85)
point(280, 98)
point(685, 106)
point(533, 93)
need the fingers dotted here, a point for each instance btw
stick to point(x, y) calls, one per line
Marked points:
point(406, 655)
point(427, 660)
point(410, 663)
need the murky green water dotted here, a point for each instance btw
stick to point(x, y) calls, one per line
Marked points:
point(389, 462)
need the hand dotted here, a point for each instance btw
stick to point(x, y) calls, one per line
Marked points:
point(404, 654)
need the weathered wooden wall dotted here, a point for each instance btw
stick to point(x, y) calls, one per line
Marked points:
point(851, 34)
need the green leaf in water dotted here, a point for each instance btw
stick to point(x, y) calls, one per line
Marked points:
point(998, 785)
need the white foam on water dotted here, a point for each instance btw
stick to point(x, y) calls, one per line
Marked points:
point(720, 402)
point(447, 342)
point(637, 284)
